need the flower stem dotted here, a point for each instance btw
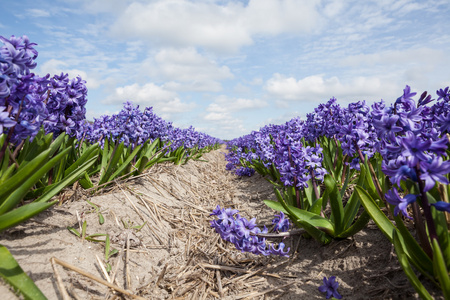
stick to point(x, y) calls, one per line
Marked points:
point(314, 184)
point(297, 194)
point(426, 207)
point(421, 231)
point(373, 175)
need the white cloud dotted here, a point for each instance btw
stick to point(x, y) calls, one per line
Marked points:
point(150, 95)
point(104, 6)
point(319, 88)
point(223, 104)
point(35, 12)
point(56, 67)
point(220, 27)
point(91, 114)
point(257, 81)
point(220, 114)
point(423, 56)
point(224, 125)
point(187, 69)
point(215, 116)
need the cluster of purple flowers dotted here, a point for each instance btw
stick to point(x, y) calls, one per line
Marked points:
point(66, 103)
point(28, 101)
point(133, 127)
point(279, 146)
point(21, 92)
point(324, 121)
point(413, 144)
point(243, 233)
point(296, 163)
point(410, 137)
point(356, 132)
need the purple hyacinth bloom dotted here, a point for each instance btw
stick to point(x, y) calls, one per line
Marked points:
point(444, 122)
point(424, 99)
point(280, 222)
point(442, 206)
point(5, 120)
point(4, 88)
point(244, 227)
point(406, 100)
point(443, 94)
point(434, 171)
point(330, 287)
point(401, 204)
point(414, 148)
point(279, 251)
point(386, 126)
point(243, 233)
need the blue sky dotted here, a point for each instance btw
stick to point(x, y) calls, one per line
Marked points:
point(230, 67)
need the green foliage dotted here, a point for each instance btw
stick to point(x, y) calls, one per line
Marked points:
point(409, 251)
point(305, 207)
point(14, 275)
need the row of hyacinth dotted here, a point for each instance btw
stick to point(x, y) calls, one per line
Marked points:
point(243, 233)
point(279, 146)
point(133, 127)
point(28, 102)
point(413, 143)
point(411, 137)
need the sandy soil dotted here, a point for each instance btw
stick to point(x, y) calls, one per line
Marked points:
point(176, 255)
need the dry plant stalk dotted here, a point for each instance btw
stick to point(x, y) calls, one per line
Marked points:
point(95, 278)
point(59, 281)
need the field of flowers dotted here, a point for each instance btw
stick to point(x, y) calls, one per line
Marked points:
point(331, 173)
point(46, 143)
point(391, 159)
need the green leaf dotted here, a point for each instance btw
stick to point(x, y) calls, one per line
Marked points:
point(74, 231)
point(337, 209)
point(86, 182)
point(309, 192)
point(125, 163)
point(316, 208)
point(413, 250)
point(440, 269)
point(83, 230)
point(404, 263)
point(360, 223)
point(107, 245)
point(7, 174)
point(22, 214)
point(113, 163)
point(71, 178)
point(14, 275)
point(440, 222)
point(27, 182)
point(101, 219)
point(105, 157)
point(353, 203)
point(17, 179)
point(296, 214)
point(369, 185)
point(316, 233)
point(375, 213)
point(56, 187)
point(90, 152)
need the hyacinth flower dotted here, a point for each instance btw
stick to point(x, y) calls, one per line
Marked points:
point(281, 223)
point(330, 287)
point(243, 233)
point(411, 154)
point(415, 161)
